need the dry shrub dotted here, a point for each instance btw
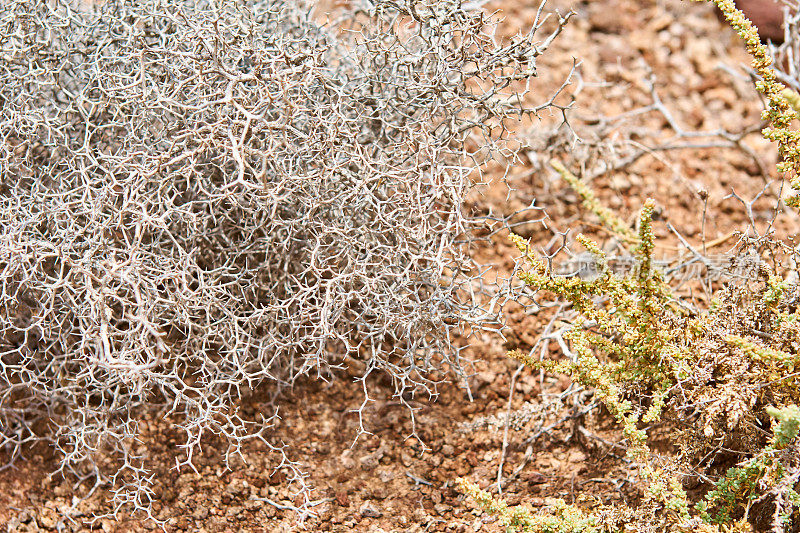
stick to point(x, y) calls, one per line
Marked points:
point(201, 197)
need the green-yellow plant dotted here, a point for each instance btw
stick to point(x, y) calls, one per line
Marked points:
point(634, 350)
point(564, 518)
point(782, 103)
point(636, 347)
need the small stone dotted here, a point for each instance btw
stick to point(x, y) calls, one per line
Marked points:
point(238, 487)
point(385, 475)
point(448, 450)
point(372, 460)
point(346, 459)
point(420, 516)
point(369, 510)
point(379, 492)
point(235, 511)
point(481, 379)
point(620, 183)
point(441, 508)
point(47, 518)
point(406, 458)
point(472, 459)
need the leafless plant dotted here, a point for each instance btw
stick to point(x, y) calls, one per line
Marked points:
point(201, 197)
point(787, 55)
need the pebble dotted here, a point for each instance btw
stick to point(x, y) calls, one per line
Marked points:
point(200, 512)
point(369, 510)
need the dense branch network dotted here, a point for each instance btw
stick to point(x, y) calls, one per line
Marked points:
point(200, 197)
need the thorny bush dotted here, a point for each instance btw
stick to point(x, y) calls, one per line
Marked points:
point(200, 197)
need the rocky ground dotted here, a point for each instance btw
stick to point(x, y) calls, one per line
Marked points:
point(634, 55)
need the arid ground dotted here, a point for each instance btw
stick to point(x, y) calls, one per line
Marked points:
point(630, 52)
